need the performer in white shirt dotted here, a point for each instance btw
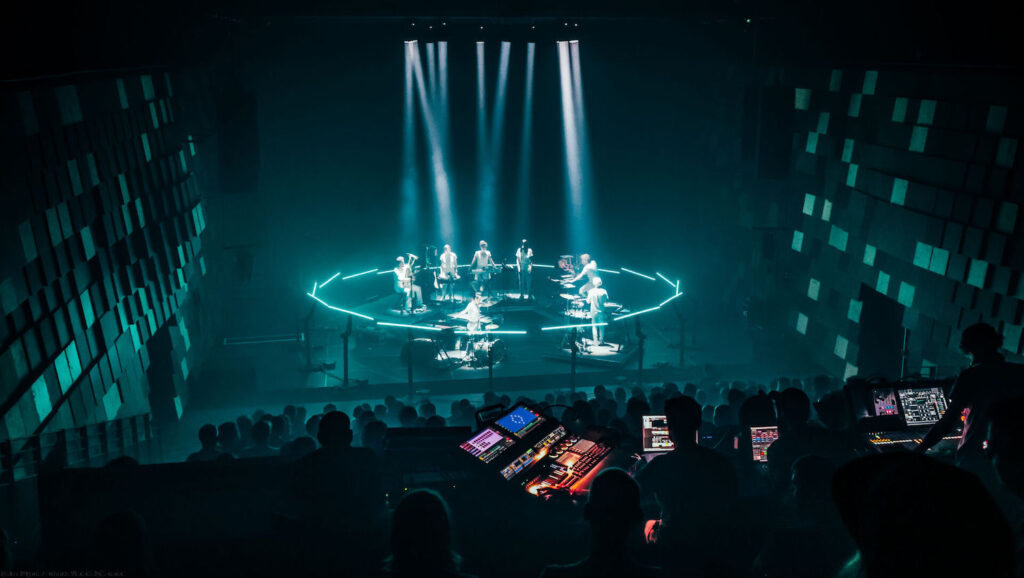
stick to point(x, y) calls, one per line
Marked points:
point(598, 297)
point(472, 313)
point(449, 273)
point(589, 271)
point(404, 284)
point(524, 266)
point(480, 266)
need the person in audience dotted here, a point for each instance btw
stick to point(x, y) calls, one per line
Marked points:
point(208, 439)
point(696, 489)
point(1006, 444)
point(298, 447)
point(435, 421)
point(798, 437)
point(614, 514)
point(989, 381)
point(260, 446)
point(407, 416)
point(910, 515)
point(374, 433)
point(421, 538)
point(227, 438)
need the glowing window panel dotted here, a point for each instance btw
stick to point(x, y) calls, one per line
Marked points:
point(976, 274)
point(851, 371)
point(922, 255)
point(826, 210)
point(798, 241)
point(899, 110)
point(841, 346)
point(853, 312)
point(926, 112)
point(838, 238)
point(813, 288)
point(918, 139)
point(812, 143)
point(882, 285)
point(1006, 152)
point(809, 204)
point(823, 119)
point(1007, 219)
point(899, 192)
point(801, 323)
point(847, 150)
point(851, 175)
point(996, 119)
point(835, 80)
point(939, 262)
point(802, 98)
point(869, 255)
point(854, 109)
point(870, 82)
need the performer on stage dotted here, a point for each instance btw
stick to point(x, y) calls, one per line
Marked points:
point(404, 284)
point(449, 273)
point(598, 297)
point(524, 266)
point(589, 271)
point(472, 313)
point(480, 265)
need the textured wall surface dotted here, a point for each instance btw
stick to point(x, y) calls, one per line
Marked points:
point(906, 185)
point(102, 261)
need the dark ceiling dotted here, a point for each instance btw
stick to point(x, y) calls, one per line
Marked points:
point(40, 39)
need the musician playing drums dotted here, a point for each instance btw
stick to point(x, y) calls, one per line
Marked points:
point(449, 273)
point(597, 298)
point(481, 267)
point(472, 314)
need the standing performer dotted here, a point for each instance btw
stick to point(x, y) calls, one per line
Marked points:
point(589, 271)
point(404, 284)
point(524, 265)
point(480, 266)
point(449, 273)
point(598, 297)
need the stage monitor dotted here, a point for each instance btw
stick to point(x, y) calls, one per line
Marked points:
point(760, 438)
point(922, 405)
point(655, 434)
point(520, 421)
point(487, 445)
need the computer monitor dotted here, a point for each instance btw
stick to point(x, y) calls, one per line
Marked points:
point(760, 438)
point(655, 434)
point(922, 405)
point(884, 401)
point(520, 421)
point(487, 445)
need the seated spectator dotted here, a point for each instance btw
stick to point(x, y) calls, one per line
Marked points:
point(421, 538)
point(914, 516)
point(260, 446)
point(798, 437)
point(227, 438)
point(613, 512)
point(208, 439)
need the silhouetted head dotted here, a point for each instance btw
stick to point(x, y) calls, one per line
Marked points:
point(208, 436)
point(901, 508)
point(757, 410)
point(980, 339)
point(335, 431)
point(227, 435)
point(794, 409)
point(435, 421)
point(1006, 443)
point(299, 447)
point(614, 503)
point(812, 479)
point(407, 416)
point(683, 417)
point(723, 416)
point(261, 433)
point(421, 535)
point(121, 544)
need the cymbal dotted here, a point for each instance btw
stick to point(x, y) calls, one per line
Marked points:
point(491, 326)
point(567, 296)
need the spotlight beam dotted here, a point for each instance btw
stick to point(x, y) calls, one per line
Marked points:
point(442, 185)
point(523, 203)
point(573, 166)
point(409, 193)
